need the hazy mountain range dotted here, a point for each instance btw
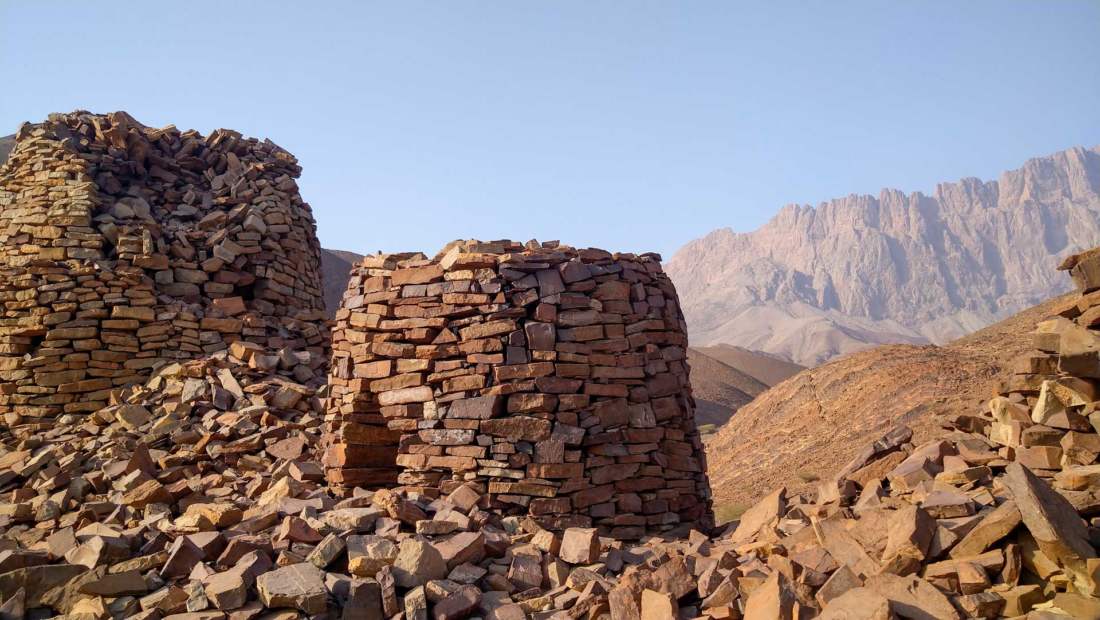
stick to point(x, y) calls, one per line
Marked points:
point(814, 283)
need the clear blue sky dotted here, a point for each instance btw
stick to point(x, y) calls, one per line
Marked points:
point(629, 126)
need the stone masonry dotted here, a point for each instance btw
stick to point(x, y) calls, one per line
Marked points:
point(553, 378)
point(123, 247)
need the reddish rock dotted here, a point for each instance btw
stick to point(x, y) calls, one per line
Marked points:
point(580, 546)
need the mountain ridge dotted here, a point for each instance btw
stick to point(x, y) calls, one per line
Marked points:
point(766, 368)
point(817, 282)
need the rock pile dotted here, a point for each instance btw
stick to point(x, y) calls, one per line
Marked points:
point(124, 247)
point(195, 497)
point(105, 515)
point(550, 379)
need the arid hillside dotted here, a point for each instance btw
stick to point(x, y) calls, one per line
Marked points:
point(719, 389)
point(815, 283)
point(764, 367)
point(811, 424)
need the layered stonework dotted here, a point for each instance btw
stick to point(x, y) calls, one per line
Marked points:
point(123, 247)
point(554, 378)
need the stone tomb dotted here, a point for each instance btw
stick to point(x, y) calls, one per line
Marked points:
point(124, 247)
point(552, 377)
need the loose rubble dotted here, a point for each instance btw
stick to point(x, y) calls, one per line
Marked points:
point(551, 379)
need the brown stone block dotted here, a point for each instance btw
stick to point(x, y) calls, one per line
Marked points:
point(477, 408)
point(593, 495)
point(364, 434)
point(404, 396)
point(464, 383)
point(373, 370)
point(397, 382)
point(352, 456)
point(531, 403)
point(555, 505)
point(457, 463)
point(363, 476)
point(417, 275)
point(518, 428)
point(555, 470)
point(523, 371)
point(521, 488)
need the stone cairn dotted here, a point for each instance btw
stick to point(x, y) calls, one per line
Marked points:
point(553, 378)
point(124, 247)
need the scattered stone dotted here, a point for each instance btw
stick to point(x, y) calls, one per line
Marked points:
point(369, 554)
point(580, 546)
point(1060, 533)
point(457, 605)
point(417, 563)
point(300, 586)
point(226, 591)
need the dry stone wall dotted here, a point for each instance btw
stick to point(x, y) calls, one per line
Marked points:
point(554, 378)
point(123, 247)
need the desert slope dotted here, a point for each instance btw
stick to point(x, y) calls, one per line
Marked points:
point(719, 389)
point(814, 422)
point(816, 283)
point(766, 368)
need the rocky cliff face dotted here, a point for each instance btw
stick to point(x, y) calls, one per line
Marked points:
point(814, 283)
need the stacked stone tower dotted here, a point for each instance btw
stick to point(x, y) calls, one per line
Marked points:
point(123, 247)
point(552, 377)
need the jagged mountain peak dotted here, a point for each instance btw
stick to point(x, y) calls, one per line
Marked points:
point(817, 282)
